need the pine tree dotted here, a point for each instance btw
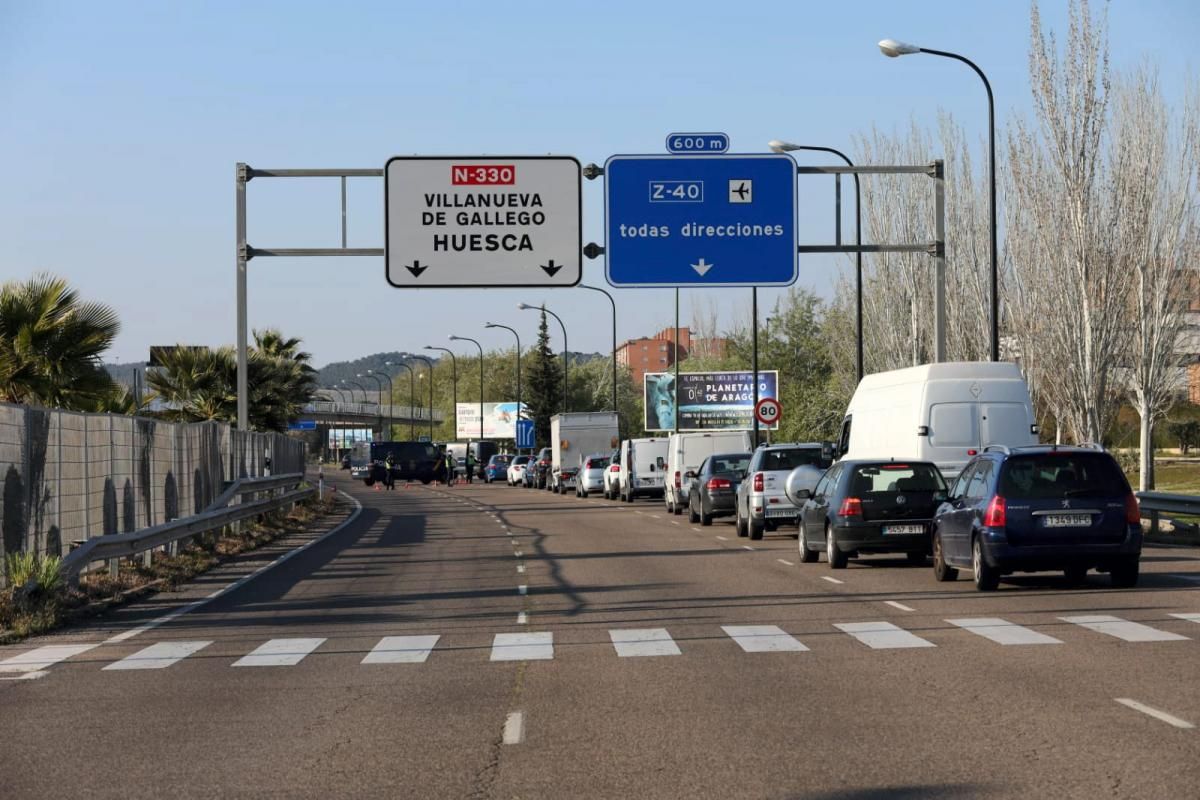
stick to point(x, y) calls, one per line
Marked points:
point(545, 384)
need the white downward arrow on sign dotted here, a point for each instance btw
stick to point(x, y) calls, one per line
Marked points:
point(702, 267)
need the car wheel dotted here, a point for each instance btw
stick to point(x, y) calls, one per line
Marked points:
point(670, 505)
point(740, 524)
point(705, 519)
point(807, 556)
point(754, 528)
point(1124, 574)
point(986, 577)
point(693, 517)
point(941, 570)
point(678, 508)
point(1076, 576)
point(836, 558)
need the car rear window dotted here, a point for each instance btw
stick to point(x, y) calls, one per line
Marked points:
point(869, 478)
point(1044, 476)
point(793, 457)
point(596, 463)
point(731, 463)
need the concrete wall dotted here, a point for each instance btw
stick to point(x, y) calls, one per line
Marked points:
point(70, 476)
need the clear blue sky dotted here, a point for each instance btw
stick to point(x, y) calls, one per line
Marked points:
point(120, 124)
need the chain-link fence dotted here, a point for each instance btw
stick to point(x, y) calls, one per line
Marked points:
point(70, 476)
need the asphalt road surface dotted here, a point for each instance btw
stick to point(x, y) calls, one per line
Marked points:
point(486, 641)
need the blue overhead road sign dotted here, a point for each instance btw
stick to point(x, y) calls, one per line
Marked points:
point(710, 220)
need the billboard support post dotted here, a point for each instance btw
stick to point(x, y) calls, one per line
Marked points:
point(754, 328)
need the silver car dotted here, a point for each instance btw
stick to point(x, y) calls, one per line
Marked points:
point(761, 502)
point(591, 474)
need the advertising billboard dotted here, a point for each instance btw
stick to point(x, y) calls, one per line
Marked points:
point(706, 401)
point(499, 420)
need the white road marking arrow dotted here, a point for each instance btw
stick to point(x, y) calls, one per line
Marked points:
point(702, 267)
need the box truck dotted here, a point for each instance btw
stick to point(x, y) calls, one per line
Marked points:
point(574, 437)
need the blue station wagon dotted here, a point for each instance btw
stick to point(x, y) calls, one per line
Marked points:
point(1032, 509)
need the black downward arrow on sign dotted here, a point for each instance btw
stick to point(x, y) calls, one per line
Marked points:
point(551, 268)
point(416, 269)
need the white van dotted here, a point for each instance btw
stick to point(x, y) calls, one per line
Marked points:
point(685, 453)
point(643, 468)
point(944, 413)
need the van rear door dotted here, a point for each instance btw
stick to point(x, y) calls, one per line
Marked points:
point(1004, 423)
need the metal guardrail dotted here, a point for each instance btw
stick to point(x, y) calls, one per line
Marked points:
point(218, 514)
point(1154, 504)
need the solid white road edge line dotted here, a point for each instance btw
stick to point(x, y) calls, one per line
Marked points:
point(179, 612)
point(900, 606)
point(1162, 716)
point(514, 728)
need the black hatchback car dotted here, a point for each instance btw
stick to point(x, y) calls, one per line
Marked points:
point(1031, 509)
point(871, 506)
point(714, 486)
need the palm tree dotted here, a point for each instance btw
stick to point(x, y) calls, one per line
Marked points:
point(50, 344)
point(196, 383)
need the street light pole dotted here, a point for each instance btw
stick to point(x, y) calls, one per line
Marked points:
point(520, 408)
point(412, 395)
point(525, 307)
point(429, 364)
point(454, 383)
point(783, 147)
point(379, 406)
point(894, 49)
point(391, 417)
point(454, 338)
point(614, 339)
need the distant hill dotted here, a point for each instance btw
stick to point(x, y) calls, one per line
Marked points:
point(337, 371)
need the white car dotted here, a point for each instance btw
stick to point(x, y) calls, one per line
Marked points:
point(612, 477)
point(516, 470)
point(591, 474)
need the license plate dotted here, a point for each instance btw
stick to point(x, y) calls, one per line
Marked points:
point(899, 530)
point(1068, 521)
point(782, 511)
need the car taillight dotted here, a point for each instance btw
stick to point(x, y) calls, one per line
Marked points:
point(615, 468)
point(996, 514)
point(851, 507)
point(758, 481)
point(718, 483)
point(678, 482)
point(1133, 512)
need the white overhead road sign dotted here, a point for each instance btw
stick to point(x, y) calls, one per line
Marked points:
point(472, 221)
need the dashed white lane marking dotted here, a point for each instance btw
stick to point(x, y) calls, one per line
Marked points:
point(522, 618)
point(643, 642)
point(1003, 632)
point(697, 530)
point(763, 639)
point(28, 676)
point(673, 522)
point(514, 728)
point(280, 653)
point(1188, 617)
point(1162, 716)
point(882, 635)
point(655, 516)
point(643, 513)
point(401, 650)
point(831, 580)
point(523, 647)
point(523, 589)
point(747, 547)
point(159, 656)
point(518, 554)
point(521, 569)
point(1123, 629)
point(722, 538)
point(42, 657)
point(900, 606)
point(785, 561)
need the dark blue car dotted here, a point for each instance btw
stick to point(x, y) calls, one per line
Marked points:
point(1032, 509)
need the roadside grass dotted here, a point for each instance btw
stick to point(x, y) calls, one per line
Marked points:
point(1177, 477)
point(51, 604)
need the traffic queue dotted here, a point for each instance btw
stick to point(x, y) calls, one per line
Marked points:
point(936, 462)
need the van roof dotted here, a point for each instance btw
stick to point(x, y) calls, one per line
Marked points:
point(949, 370)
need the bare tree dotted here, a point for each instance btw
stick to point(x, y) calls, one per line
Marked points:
point(1061, 227)
point(1153, 164)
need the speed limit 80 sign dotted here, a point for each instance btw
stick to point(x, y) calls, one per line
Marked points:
point(768, 411)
